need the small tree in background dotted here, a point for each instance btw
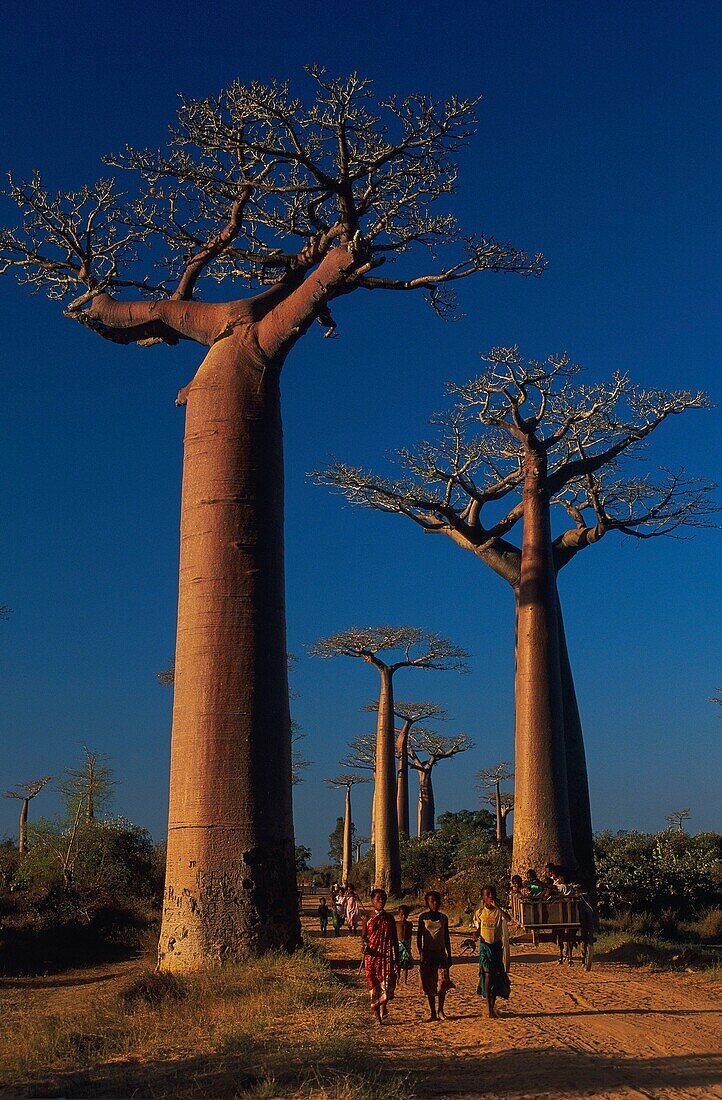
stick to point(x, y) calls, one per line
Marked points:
point(90, 785)
point(414, 648)
point(677, 819)
point(426, 749)
point(492, 779)
point(26, 792)
point(347, 781)
point(410, 714)
point(358, 844)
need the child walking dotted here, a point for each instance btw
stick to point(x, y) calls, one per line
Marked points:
point(404, 931)
point(323, 915)
point(381, 954)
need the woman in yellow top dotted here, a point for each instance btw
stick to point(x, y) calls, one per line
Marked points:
point(490, 921)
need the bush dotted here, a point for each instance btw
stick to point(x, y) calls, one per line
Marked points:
point(79, 896)
point(658, 873)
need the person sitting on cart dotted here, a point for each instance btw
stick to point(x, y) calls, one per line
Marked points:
point(533, 887)
point(565, 936)
point(517, 885)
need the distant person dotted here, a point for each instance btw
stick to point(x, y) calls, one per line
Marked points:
point(323, 915)
point(380, 954)
point(337, 915)
point(433, 944)
point(313, 885)
point(353, 910)
point(490, 922)
point(404, 932)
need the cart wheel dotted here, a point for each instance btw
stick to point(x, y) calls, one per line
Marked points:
point(588, 955)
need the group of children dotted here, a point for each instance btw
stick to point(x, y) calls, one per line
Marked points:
point(554, 884)
point(386, 940)
point(345, 908)
point(386, 943)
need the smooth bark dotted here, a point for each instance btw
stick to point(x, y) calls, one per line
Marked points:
point(541, 829)
point(22, 829)
point(230, 879)
point(402, 779)
point(347, 845)
point(386, 829)
point(500, 823)
point(426, 820)
point(580, 815)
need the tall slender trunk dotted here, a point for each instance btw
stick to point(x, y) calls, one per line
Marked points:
point(347, 850)
point(580, 814)
point(499, 821)
point(22, 830)
point(386, 829)
point(502, 828)
point(230, 876)
point(402, 780)
point(427, 806)
point(541, 828)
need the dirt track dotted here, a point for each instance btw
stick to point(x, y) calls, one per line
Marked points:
point(616, 1033)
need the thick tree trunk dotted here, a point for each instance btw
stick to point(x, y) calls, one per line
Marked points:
point(386, 829)
point(230, 877)
point(427, 807)
point(580, 814)
point(22, 830)
point(541, 827)
point(502, 828)
point(402, 780)
point(347, 849)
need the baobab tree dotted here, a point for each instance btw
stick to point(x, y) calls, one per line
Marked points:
point(502, 809)
point(90, 785)
point(677, 819)
point(358, 843)
point(409, 714)
point(25, 792)
point(302, 201)
point(523, 437)
point(434, 748)
point(347, 780)
point(491, 779)
point(413, 648)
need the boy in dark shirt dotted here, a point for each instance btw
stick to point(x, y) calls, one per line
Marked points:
point(323, 914)
point(434, 947)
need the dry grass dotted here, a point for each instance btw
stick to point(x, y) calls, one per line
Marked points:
point(281, 1027)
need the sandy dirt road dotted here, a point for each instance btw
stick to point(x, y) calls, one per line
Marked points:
point(616, 1033)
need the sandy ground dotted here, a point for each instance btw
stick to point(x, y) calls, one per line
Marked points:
point(615, 1033)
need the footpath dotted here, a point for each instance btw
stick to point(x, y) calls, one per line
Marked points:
point(615, 1033)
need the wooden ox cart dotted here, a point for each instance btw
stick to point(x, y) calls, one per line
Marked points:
point(550, 920)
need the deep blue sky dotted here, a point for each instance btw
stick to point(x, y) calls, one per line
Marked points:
point(599, 144)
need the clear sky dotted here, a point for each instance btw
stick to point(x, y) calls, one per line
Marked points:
point(599, 144)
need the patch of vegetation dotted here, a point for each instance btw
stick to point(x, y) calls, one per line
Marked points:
point(81, 894)
point(278, 1027)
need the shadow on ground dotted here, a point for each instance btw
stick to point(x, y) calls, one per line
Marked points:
point(491, 1075)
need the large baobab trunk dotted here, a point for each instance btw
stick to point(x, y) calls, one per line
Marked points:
point(580, 814)
point(23, 828)
point(347, 847)
point(402, 780)
point(386, 829)
point(230, 878)
point(427, 806)
point(541, 829)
